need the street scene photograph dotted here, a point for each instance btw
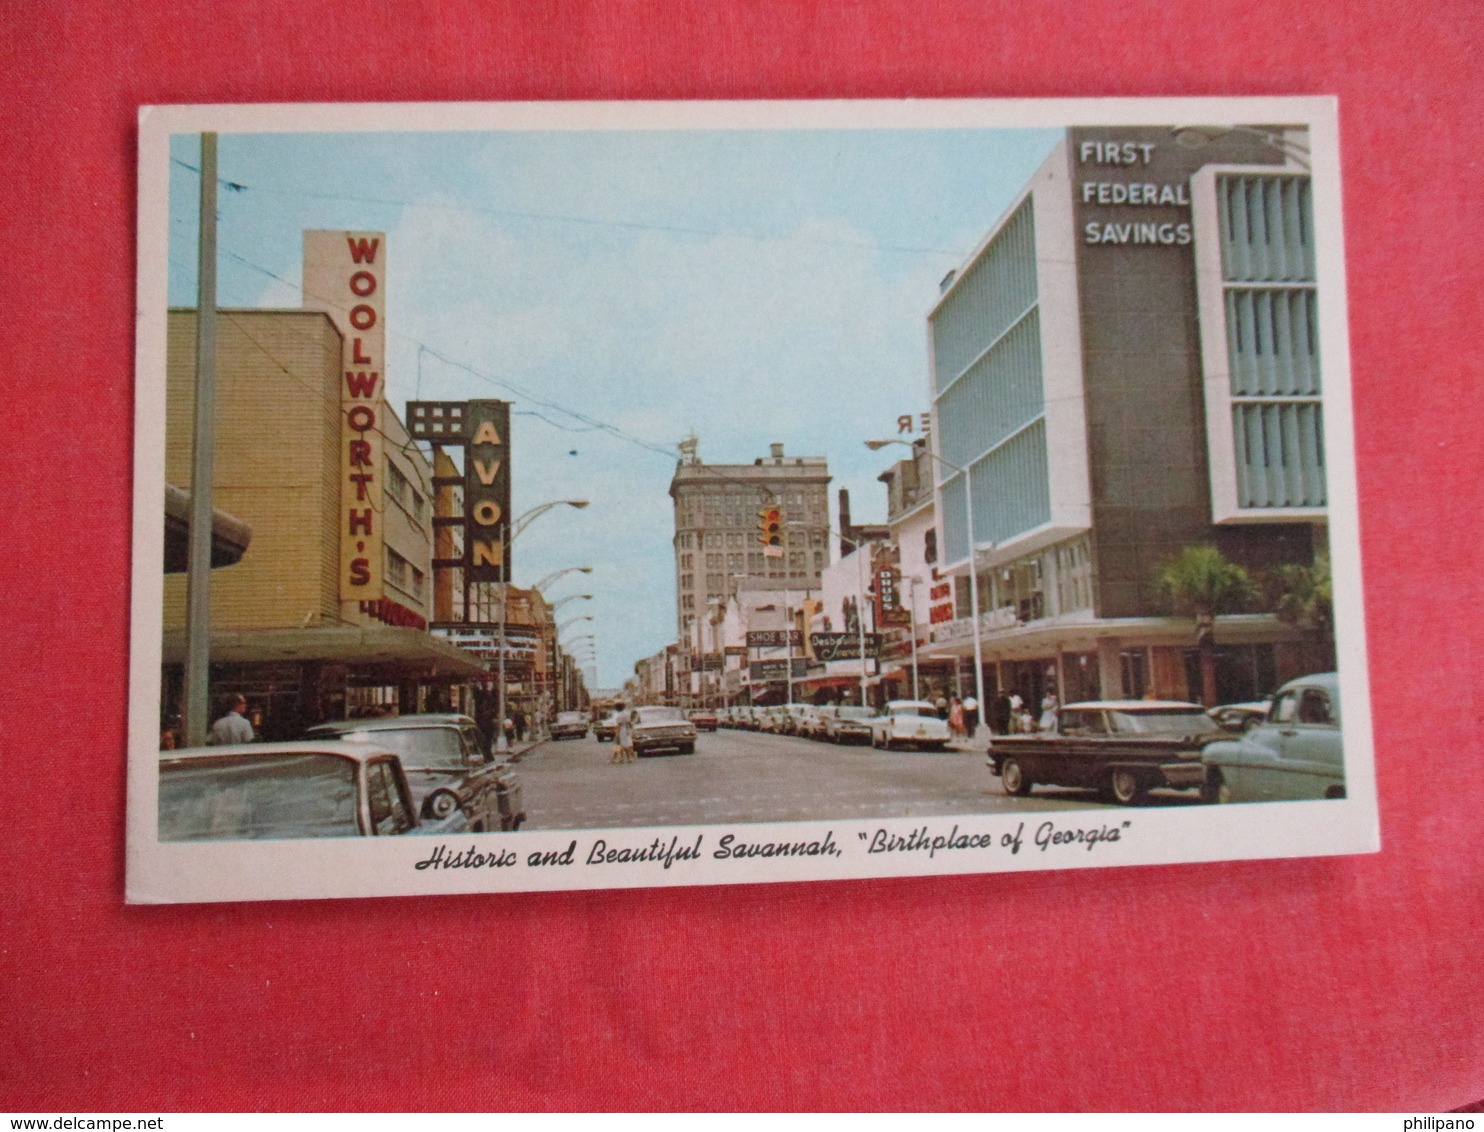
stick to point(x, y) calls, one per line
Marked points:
point(852, 488)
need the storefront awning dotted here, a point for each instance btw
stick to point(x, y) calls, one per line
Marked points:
point(1034, 639)
point(229, 534)
point(412, 652)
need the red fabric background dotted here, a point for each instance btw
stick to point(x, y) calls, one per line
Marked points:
point(1342, 983)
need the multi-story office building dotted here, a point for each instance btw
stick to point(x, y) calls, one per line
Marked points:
point(1126, 367)
point(717, 527)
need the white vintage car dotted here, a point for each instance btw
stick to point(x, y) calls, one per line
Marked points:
point(909, 723)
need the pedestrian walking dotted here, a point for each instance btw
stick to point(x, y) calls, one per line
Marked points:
point(1004, 713)
point(956, 718)
point(232, 727)
point(971, 716)
point(623, 739)
point(520, 725)
point(1048, 713)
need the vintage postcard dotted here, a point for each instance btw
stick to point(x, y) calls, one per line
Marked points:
point(594, 495)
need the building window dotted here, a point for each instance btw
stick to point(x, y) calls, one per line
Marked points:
point(403, 575)
point(1074, 576)
point(1134, 664)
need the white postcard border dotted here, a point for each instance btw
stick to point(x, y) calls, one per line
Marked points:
point(231, 871)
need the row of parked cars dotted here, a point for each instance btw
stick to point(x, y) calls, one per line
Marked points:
point(1286, 749)
point(424, 774)
point(900, 723)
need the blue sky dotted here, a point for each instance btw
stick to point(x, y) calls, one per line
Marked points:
point(744, 286)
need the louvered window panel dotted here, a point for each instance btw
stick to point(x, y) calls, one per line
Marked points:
point(1280, 454)
point(955, 536)
point(1273, 342)
point(993, 294)
point(1012, 487)
point(1000, 393)
point(1272, 328)
point(1267, 230)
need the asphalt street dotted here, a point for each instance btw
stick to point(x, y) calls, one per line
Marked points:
point(743, 776)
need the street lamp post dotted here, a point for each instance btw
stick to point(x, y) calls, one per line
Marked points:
point(502, 742)
point(912, 589)
point(877, 445)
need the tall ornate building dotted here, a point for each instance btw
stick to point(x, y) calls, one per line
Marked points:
point(717, 528)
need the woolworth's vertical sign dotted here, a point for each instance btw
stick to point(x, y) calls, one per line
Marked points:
point(344, 276)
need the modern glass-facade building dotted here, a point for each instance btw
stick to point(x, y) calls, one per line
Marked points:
point(1128, 366)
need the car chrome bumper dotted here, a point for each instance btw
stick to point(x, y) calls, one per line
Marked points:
point(1184, 776)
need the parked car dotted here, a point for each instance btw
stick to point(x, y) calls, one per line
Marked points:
point(744, 717)
point(1240, 717)
point(704, 719)
point(769, 719)
point(448, 765)
point(1124, 747)
point(849, 723)
point(570, 725)
point(811, 726)
point(662, 729)
point(263, 791)
point(1296, 753)
point(606, 728)
point(911, 723)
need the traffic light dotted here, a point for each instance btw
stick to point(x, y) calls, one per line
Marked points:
point(770, 527)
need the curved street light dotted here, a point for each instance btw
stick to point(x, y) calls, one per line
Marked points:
point(572, 621)
point(513, 532)
point(555, 574)
point(540, 509)
point(973, 551)
point(570, 597)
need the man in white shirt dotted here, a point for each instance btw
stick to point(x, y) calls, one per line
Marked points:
point(232, 727)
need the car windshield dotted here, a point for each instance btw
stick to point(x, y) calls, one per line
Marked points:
point(571, 717)
point(660, 715)
point(854, 713)
point(421, 748)
point(1161, 721)
point(257, 797)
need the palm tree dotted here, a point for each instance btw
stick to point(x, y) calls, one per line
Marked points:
point(1304, 596)
point(1203, 583)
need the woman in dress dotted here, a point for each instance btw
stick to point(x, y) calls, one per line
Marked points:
point(623, 739)
point(956, 718)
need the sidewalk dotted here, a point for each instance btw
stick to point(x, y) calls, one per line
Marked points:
point(978, 745)
point(520, 749)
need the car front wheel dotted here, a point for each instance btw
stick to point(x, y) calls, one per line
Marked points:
point(1014, 779)
point(1126, 787)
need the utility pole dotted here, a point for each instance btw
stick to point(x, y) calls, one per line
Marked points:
point(197, 706)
